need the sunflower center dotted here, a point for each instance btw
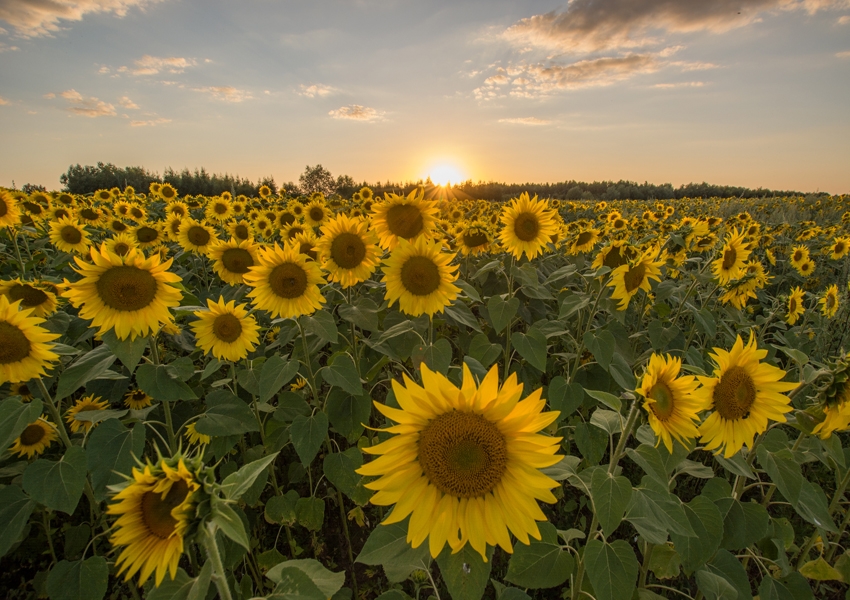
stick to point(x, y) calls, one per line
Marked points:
point(294, 231)
point(119, 226)
point(33, 434)
point(664, 400)
point(526, 226)
point(237, 260)
point(227, 328)
point(792, 305)
point(14, 344)
point(734, 394)
point(198, 236)
point(584, 237)
point(288, 280)
point(4, 208)
point(472, 240)
point(139, 395)
point(156, 509)
point(420, 276)
point(838, 249)
point(89, 214)
point(348, 250)
point(463, 454)
point(729, 257)
point(798, 256)
point(241, 231)
point(634, 277)
point(29, 295)
point(121, 248)
point(71, 235)
point(317, 214)
point(126, 288)
point(405, 221)
point(830, 301)
point(614, 258)
point(220, 209)
point(286, 219)
point(146, 234)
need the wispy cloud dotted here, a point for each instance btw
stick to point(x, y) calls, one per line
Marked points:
point(355, 112)
point(3, 101)
point(4, 47)
point(525, 121)
point(85, 106)
point(225, 93)
point(153, 65)
point(317, 90)
point(679, 84)
point(844, 20)
point(127, 103)
point(845, 54)
point(150, 122)
point(32, 18)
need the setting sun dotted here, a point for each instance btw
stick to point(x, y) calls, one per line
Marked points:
point(444, 173)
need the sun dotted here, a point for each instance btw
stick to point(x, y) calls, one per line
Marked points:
point(445, 173)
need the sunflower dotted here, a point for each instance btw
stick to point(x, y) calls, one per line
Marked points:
point(196, 237)
point(59, 212)
point(527, 226)
point(21, 389)
point(671, 406)
point(121, 244)
point(306, 242)
point(403, 217)
point(264, 191)
point(93, 217)
point(137, 400)
point(172, 227)
point(166, 192)
point(316, 213)
point(743, 394)
point(614, 254)
point(806, 267)
point(219, 209)
point(32, 296)
point(474, 238)
point(799, 255)
point(829, 301)
point(226, 330)
point(69, 236)
point(130, 293)
point(156, 509)
point(25, 348)
point(35, 438)
point(418, 276)
point(348, 250)
point(87, 404)
point(839, 248)
point(286, 283)
point(148, 235)
point(584, 241)
point(195, 437)
point(733, 259)
point(177, 208)
point(232, 259)
point(795, 305)
point(240, 230)
point(137, 213)
point(629, 278)
point(103, 196)
point(464, 462)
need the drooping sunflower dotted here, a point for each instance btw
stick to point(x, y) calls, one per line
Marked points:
point(671, 406)
point(25, 348)
point(10, 214)
point(130, 293)
point(347, 250)
point(636, 275)
point(733, 258)
point(233, 259)
point(32, 295)
point(195, 437)
point(743, 393)
point(156, 509)
point(35, 438)
point(474, 239)
point(286, 283)
point(226, 330)
point(86, 404)
point(584, 241)
point(829, 301)
point(403, 217)
point(463, 463)
point(796, 308)
point(69, 236)
point(527, 226)
point(137, 400)
point(419, 277)
point(196, 237)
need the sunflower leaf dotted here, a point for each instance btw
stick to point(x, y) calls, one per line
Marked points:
point(321, 324)
point(327, 581)
point(307, 435)
point(340, 467)
point(89, 366)
point(15, 511)
point(342, 372)
point(611, 568)
point(78, 580)
point(110, 451)
point(15, 415)
point(163, 382)
point(129, 352)
point(276, 373)
point(465, 573)
point(58, 485)
point(540, 564)
point(227, 519)
point(236, 484)
point(532, 347)
point(501, 311)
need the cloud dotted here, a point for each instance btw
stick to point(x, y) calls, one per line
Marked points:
point(31, 18)
point(3, 101)
point(844, 20)
point(127, 103)
point(4, 47)
point(525, 121)
point(86, 106)
point(150, 122)
point(226, 93)
point(355, 112)
point(679, 84)
point(152, 65)
point(317, 90)
point(845, 54)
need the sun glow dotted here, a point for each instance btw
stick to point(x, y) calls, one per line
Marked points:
point(446, 173)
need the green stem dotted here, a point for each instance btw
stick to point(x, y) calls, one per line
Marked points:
point(837, 539)
point(580, 338)
point(354, 351)
point(46, 521)
point(14, 235)
point(219, 574)
point(576, 587)
point(166, 405)
point(690, 291)
point(308, 362)
point(54, 412)
point(627, 432)
point(644, 569)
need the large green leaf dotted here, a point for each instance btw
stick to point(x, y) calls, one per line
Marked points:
point(340, 467)
point(57, 485)
point(482, 350)
point(542, 564)
point(226, 414)
point(276, 373)
point(611, 496)
point(655, 513)
point(348, 413)
point(321, 324)
point(89, 366)
point(78, 580)
point(295, 584)
point(501, 311)
point(327, 581)
point(649, 459)
point(730, 568)
point(591, 442)
point(465, 573)
point(602, 345)
point(310, 512)
point(612, 569)
point(532, 347)
point(164, 383)
point(438, 356)
point(564, 397)
point(342, 372)
point(387, 546)
point(110, 453)
point(15, 511)
point(227, 519)
point(236, 484)
point(128, 351)
point(281, 509)
point(460, 313)
point(744, 523)
point(15, 415)
point(792, 587)
point(707, 522)
point(307, 434)
point(714, 586)
point(363, 313)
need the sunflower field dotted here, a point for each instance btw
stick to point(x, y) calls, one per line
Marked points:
point(423, 396)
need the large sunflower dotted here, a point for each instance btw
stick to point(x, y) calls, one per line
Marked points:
point(464, 462)
point(418, 276)
point(25, 348)
point(10, 214)
point(795, 305)
point(629, 278)
point(347, 250)
point(733, 258)
point(130, 293)
point(829, 301)
point(232, 259)
point(527, 226)
point(226, 330)
point(403, 217)
point(35, 438)
point(156, 509)
point(286, 282)
point(196, 237)
point(32, 296)
point(671, 406)
point(743, 394)
point(69, 236)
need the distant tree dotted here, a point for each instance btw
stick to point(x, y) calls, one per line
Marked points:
point(290, 188)
point(89, 179)
point(317, 179)
point(346, 186)
point(29, 188)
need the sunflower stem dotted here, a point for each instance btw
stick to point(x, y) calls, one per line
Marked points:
point(576, 587)
point(166, 405)
point(837, 538)
point(14, 235)
point(624, 437)
point(54, 412)
point(690, 291)
point(219, 574)
point(46, 523)
point(354, 350)
point(644, 569)
point(307, 361)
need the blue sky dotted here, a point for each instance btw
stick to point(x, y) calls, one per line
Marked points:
point(746, 92)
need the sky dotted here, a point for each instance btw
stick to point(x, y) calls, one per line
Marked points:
point(734, 92)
